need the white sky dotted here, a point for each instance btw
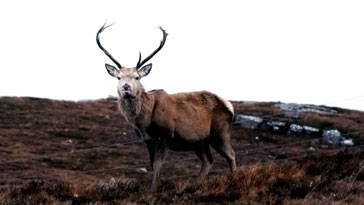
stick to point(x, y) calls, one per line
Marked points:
point(289, 51)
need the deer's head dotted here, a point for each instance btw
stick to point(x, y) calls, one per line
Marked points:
point(129, 85)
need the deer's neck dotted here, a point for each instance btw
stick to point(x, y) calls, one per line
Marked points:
point(137, 110)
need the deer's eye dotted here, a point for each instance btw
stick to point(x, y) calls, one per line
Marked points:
point(118, 77)
point(137, 78)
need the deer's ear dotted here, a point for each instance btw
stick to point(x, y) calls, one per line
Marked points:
point(112, 70)
point(144, 71)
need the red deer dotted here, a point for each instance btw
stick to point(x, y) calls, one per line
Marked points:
point(191, 121)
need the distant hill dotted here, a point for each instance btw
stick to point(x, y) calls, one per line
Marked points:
point(79, 152)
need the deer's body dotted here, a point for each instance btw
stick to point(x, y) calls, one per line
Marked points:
point(191, 121)
point(186, 118)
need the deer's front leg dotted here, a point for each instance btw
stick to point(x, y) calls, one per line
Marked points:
point(151, 145)
point(161, 151)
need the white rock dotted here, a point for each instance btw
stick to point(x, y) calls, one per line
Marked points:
point(248, 121)
point(295, 128)
point(278, 123)
point(331, 136)
point(310, 129)
point(143, 169)
point(347, 142)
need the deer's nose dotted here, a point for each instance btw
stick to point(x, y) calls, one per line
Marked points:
point(126, 87)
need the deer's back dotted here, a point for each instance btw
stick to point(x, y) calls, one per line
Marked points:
point(189, 116)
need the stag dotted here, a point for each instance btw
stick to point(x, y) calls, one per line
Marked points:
point(191, 121)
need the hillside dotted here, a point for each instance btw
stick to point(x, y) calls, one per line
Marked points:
point(84, 152)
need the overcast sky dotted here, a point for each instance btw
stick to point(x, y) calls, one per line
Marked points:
point(289, 51)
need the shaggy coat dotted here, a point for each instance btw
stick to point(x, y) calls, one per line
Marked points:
point(181, 122)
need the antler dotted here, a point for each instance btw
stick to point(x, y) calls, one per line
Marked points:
point(102, 48)
point(163, 41)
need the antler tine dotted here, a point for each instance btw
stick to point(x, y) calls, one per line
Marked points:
point(163, 41)
point(102, 48)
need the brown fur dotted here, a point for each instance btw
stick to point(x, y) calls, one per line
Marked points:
point(181, 122)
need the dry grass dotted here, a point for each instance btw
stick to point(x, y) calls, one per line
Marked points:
point(32, 128)
point(307, 180)
point(258, 109)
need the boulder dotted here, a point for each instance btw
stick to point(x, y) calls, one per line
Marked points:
point(295, 129)
point(311, 130)
point(276, 126)
point(331, 136)
point(347, 142)
point(248, 121)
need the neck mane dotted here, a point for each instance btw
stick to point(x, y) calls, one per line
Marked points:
point(137, 110)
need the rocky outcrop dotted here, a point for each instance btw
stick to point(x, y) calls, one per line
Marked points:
point(326, 137)
point(293, 110)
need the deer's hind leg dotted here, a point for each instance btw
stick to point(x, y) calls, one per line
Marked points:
point(221, 143)
point(206, 158)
